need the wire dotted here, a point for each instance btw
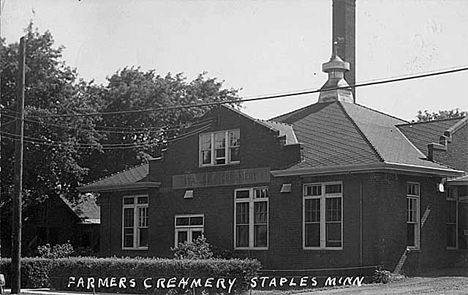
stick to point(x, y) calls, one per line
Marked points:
point(123, 129)
point(116, 146)
point(7, 123)
point(233, 101)
point(45, 142)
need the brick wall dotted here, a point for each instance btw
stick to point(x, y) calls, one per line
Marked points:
point(380, 239)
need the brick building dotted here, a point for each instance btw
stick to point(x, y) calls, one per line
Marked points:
point(332, 185)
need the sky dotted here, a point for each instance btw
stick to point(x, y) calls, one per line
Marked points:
point(263, 47)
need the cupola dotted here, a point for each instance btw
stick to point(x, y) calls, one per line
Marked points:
point(336, 87)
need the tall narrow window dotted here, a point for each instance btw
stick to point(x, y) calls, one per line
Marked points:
point(452, 218)
point(188, 228)
point(219, 148)
point(323, 216)
point(412, 215)
point(251, 218)
point(135, 222)
point(205, 149)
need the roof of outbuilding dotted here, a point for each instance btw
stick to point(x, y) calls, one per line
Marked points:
point(85, 208)
point(343, 134)
point(423, 133)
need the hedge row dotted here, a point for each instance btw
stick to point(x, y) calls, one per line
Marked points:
point(142, 275)
point(34, 272)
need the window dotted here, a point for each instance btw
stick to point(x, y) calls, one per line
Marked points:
point(188, 228)
point(323, 216)
point(412, 215)
point(219, 148)
point(135, 222)
point(451, 218)
point(251, 218)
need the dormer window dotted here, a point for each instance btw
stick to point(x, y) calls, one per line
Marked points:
point(219, 148)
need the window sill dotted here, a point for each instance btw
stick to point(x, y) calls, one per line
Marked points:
point(250, 249)
point(413, 250)
point(135, 249)
point(220, 165)
point(452, 249)
point(323, 250)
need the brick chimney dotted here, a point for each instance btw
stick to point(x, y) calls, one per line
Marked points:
point(344, 33)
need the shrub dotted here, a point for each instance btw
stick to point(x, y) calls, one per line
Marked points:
point(34, 272)
point(381, 275)
point(57, 251)
point(198, 249)
point(128, 275)
point(221, 253)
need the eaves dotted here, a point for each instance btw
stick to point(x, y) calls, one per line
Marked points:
point(364, 168)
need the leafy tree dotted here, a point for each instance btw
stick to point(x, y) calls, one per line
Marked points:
point(62, 150)
point(53, 144)
point(441, 115)
point(131, 137)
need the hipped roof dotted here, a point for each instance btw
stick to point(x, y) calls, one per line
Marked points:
point(336, 137)
point(341, 134)
point(422, 133)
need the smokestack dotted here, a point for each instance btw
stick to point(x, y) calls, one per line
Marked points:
point(344, 34)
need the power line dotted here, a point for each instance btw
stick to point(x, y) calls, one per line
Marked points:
point(267, 97)
point(116, 146)
point(7, 123)
point(119, 130)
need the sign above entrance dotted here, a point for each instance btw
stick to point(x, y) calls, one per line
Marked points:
point(221, 178)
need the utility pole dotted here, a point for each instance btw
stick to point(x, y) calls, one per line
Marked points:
point(17, 199)
point(1, 108)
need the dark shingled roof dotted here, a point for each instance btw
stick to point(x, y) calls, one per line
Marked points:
point(85, 208)
point(133, 176)
point(340, 133)
point(333, 135)
point(423, 133)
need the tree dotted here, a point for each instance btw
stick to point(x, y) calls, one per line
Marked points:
point(67, 140)
point(130, 138)
point(63, 149)
point(52, 144)
point(441, 115)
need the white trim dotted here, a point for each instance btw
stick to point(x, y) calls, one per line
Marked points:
point(119, 187)
point(188, 228)
point(227, 154)
point(286, 188)
point(363, 168)
point(135, 206)
point(417, 197)
point(188, 194)
point(454, 199)
point(323, 223)
point(251, 201)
